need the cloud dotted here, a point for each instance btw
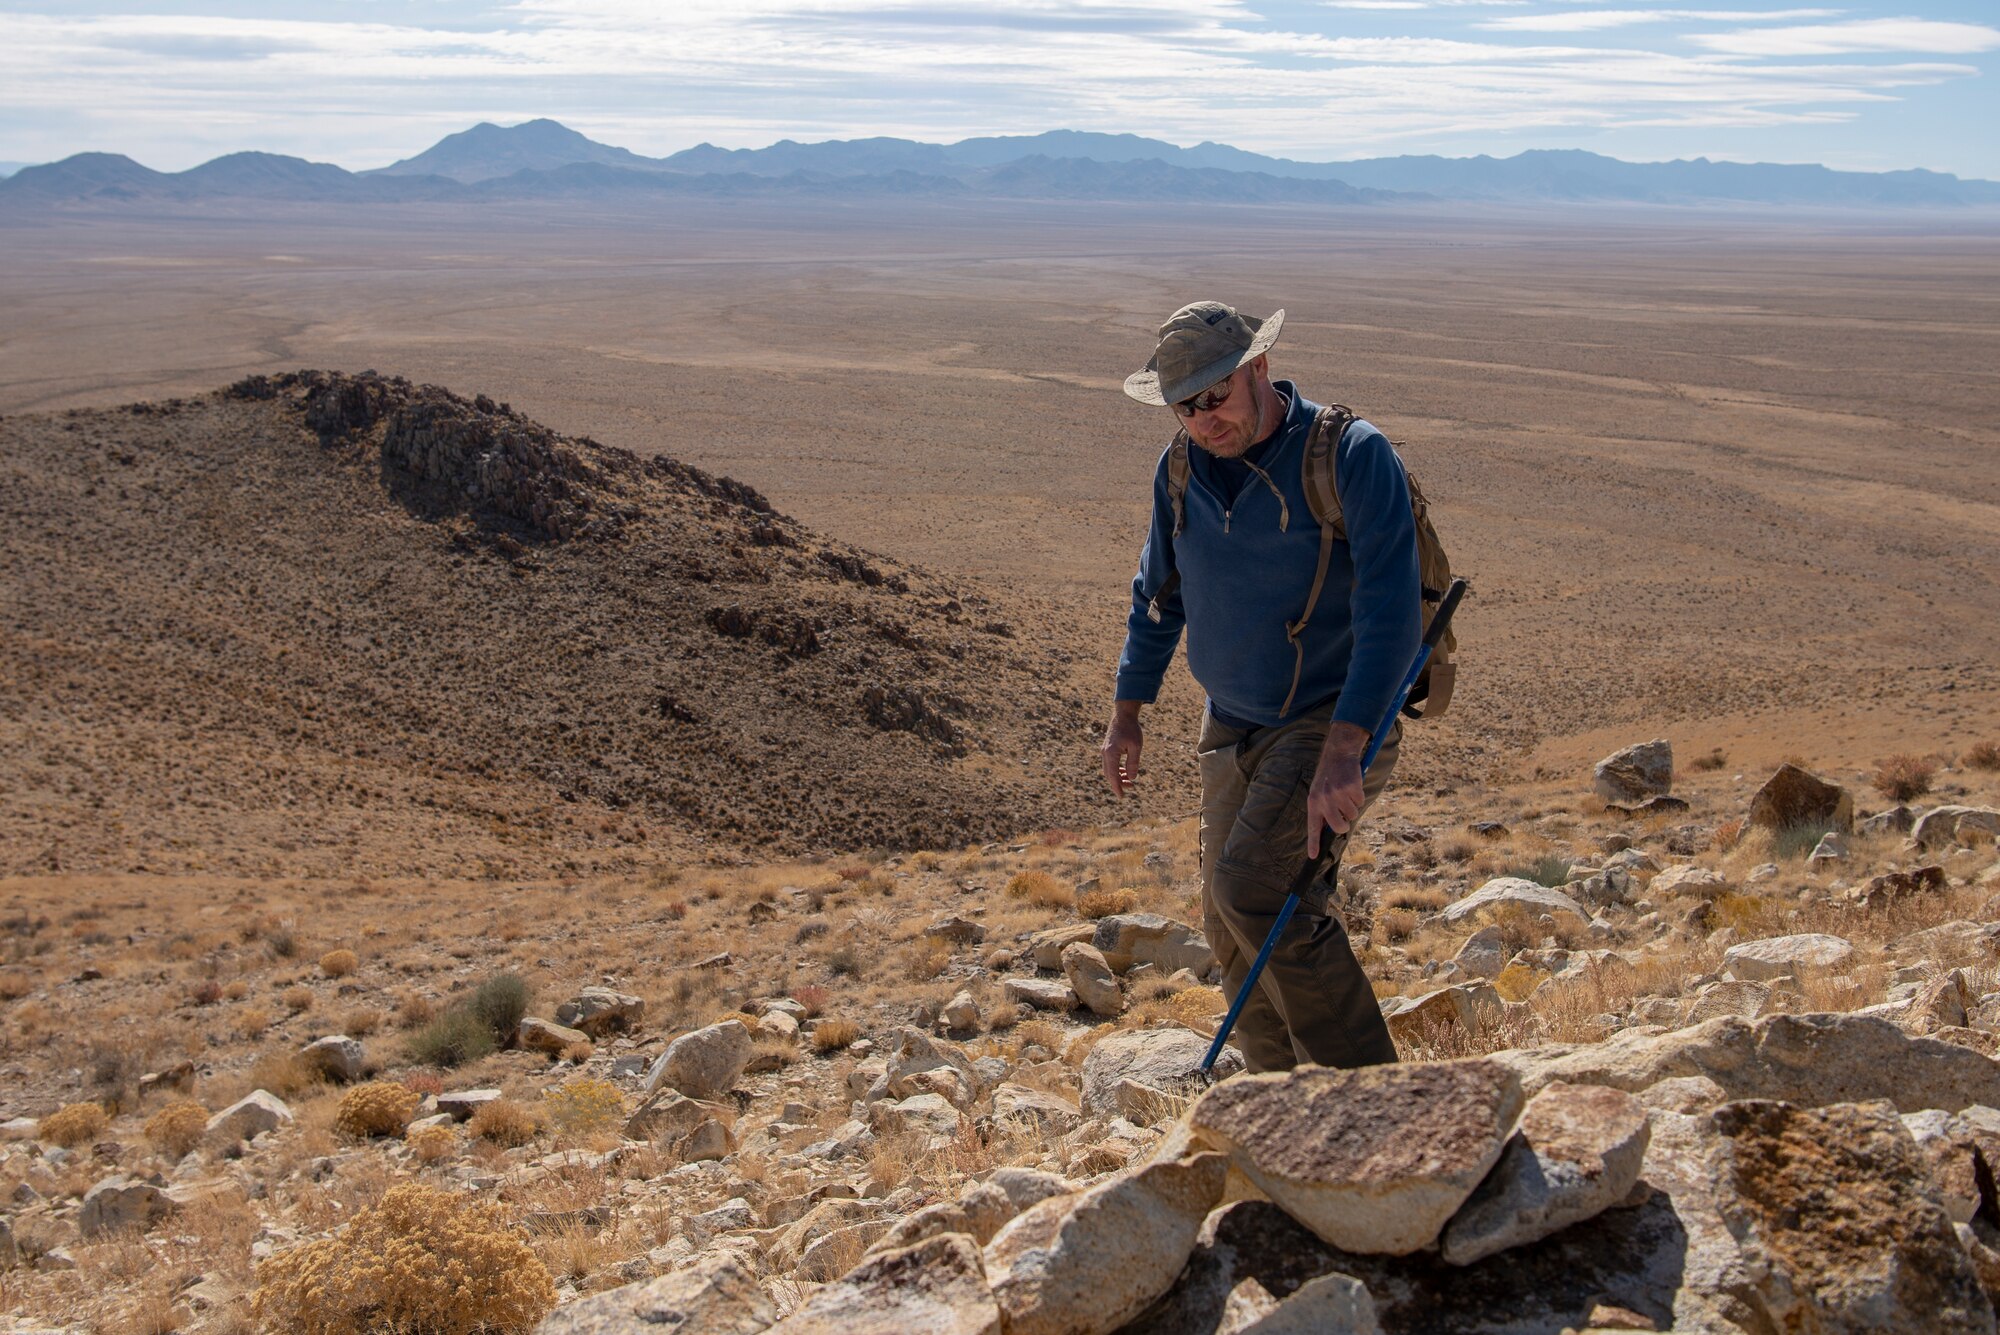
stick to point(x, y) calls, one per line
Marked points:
point(655, 78)
point(1594, 20)
point(1855, 37)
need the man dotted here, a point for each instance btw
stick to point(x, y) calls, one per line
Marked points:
point(1290, 709)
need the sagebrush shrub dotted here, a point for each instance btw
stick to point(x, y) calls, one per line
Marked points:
point(76, 1124)
point(178, 1127)
point(378, 1108)
point(1902, 777)
point(1983, 755)
point(586, 1104)
point(504, 1122)
point(452, 1039)
point(1040, 889)
point(431, 1144)
point(338, 963)
point(421, 1262)
point(499, 1003)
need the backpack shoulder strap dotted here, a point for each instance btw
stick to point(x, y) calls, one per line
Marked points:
point(1178, 468)
point(1319, 476)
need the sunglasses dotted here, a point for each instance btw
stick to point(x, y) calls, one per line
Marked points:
point(1212, 397)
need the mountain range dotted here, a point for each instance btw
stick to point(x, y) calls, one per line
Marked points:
point(543, 159)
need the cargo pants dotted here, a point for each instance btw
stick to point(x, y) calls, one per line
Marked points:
point(1313, 1002)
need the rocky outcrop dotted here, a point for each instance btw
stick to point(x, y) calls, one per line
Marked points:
point(937, 1287)
point(1810, 1060)
point(716, 1295)
point(704, 1064)
point(1794, 799)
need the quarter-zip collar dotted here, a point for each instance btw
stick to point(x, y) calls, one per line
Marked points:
point(1261, 459)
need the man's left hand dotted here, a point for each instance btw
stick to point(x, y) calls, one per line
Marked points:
point(1336, 798)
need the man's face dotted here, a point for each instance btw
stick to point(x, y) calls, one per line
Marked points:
point(1231, 427)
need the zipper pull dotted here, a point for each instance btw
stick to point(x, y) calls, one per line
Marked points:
point(1225, 518)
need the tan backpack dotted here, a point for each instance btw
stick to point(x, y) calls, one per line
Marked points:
point(1432, 693)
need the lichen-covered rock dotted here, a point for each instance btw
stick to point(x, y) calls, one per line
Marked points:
point(337, 1057)
point(539, 1035)
point(120, 1203)
point(254, 1113)
point(1127, 939)
point(1041, 993)
point(1942, 826)
point(1092, 1261)
point(1832, 1209)
point(1371, 1160)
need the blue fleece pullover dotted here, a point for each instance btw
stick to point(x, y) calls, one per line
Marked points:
point(1243, 578)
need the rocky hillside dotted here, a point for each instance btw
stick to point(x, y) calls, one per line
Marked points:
point(347, 622)
point(1699, 1052)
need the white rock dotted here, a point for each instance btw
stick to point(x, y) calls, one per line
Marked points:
point(1778, 956)
point(256, 1112)
point(1504, 895)
point(704, 1064)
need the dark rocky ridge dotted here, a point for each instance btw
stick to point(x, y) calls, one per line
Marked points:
point(328, 620)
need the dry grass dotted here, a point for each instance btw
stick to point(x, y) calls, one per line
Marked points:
point(177, 1128)
point(338, 963)
point(1104, 903)
point(378, 1108)
point(505, 1122)
point(1040, 889)
point(832, 1035)
point(1982, 755)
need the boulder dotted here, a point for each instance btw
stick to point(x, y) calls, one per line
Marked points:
point(337, 1057)
point(1942, 827)
point(1793, 956)
point(1041, 993)
point(1020, 1105)
point(1837, 1224)
point(1942, 1003)
point(1808, 1060)
point(1460, 1009)
point(539, 1035)
point(714, 1295)
point(256, 1112)
point(1168, 1060)
point(958, 931)
point(710, 1139)
point(1027, 1187)
point(1506, 895)
point(1090, 977)
point(780, 1025)
point(1126, 939)
point(1046, 948)
point(703, 1064)
point(600, 1012)
point(920, 1064)
point(731, 1216)
point(460, 1104)
point(961, 1013)
point(1891, 886)
point(1951, 1144)
point(1792, 798)
point(980, 1210)
point(1093, 1261)
point(1575, 1154)
point(1636, 773)
point(1371, 1160)
point(1334, 1304)
point(120, 1204)
point(1688, 879)
point(1743, 999)
point(928, 1115)
point(1896, 820)
point(1831, 848)
point(1484, 953)
point(936, 1287)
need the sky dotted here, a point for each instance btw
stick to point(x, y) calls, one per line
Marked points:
point(1855, 84)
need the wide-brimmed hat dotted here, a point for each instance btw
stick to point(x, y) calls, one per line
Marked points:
point(1199, 345)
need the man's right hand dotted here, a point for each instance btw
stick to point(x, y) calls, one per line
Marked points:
point(1123, 741)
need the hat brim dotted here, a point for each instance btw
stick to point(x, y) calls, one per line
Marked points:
point(1145, 385)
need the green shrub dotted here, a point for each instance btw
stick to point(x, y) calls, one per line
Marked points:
point(453, 1039)
point(1551, 869)
point(499, 1003)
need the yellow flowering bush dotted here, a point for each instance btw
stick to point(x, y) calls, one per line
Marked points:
point(77, 1124)
point(422, 1261)
point(178, 1127)
point(586, 1104)
point(378, 1108)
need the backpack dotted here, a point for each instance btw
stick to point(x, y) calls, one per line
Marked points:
point(1432, 692)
